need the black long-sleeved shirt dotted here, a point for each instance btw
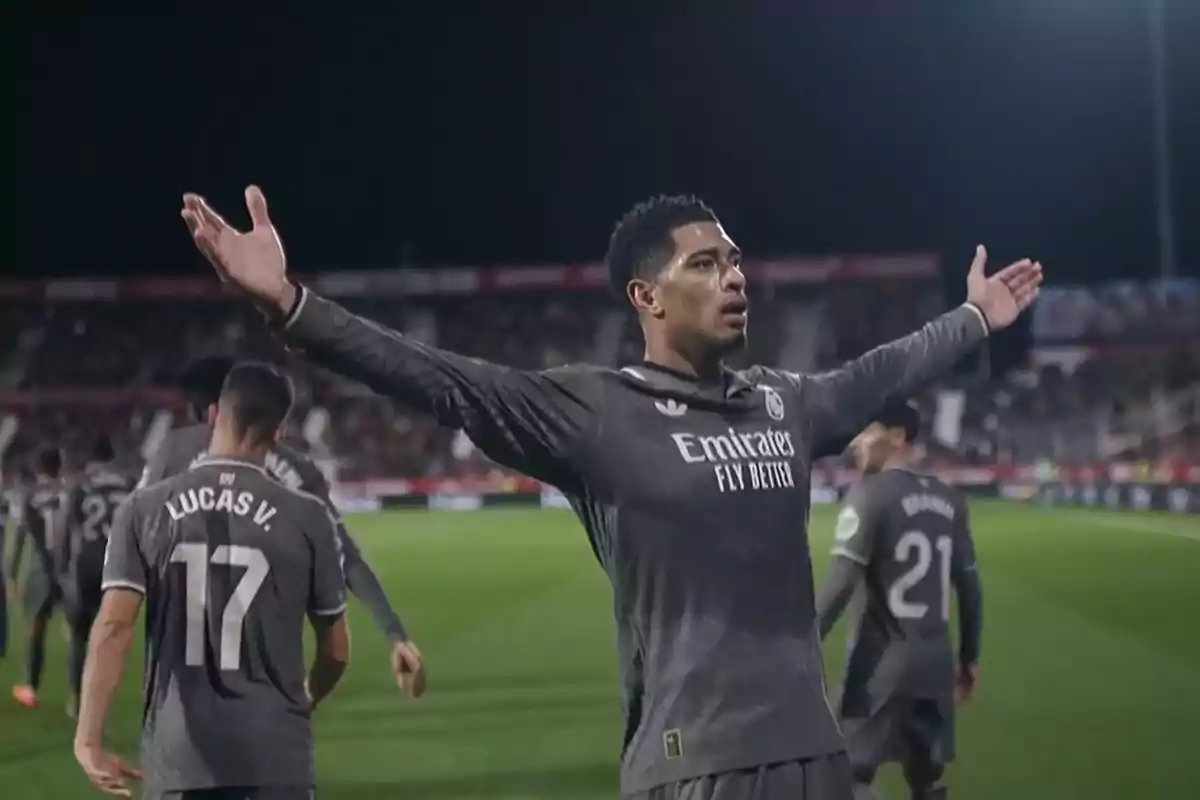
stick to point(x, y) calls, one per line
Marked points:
point(694, 495)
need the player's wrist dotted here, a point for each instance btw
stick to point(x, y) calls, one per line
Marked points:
point(975, 307)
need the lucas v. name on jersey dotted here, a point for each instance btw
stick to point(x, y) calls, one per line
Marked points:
point(210, 498)
point(756, 460)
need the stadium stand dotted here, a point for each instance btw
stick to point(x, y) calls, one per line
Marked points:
point(1114, 374)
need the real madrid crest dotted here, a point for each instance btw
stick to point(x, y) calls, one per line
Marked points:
point(774, 403)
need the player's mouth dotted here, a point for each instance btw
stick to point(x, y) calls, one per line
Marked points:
point(733, 312)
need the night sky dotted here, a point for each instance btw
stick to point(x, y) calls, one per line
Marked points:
point(502, 132)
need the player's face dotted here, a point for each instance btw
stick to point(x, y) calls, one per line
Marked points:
point(701, 293)
point(873, 447)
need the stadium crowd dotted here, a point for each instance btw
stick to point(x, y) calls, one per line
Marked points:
point(75, 367)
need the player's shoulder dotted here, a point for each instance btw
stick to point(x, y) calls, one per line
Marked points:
point(294, 497)
point(290, 466)
point(578, 374)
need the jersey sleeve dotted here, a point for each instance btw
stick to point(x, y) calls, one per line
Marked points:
point(71, 520)
point(124, 562)
point(964, 573)
point(20, 517)
point(360, 578)
point(839, 403)
point(156, 465)
point(534, 422)
point(854, 533)
point(328, 587)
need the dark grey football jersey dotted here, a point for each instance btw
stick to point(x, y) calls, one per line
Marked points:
point(695, 497)
point(911, 534)
point(39, 524)
point(183, 447)
point(230, 562)
point(91, 503)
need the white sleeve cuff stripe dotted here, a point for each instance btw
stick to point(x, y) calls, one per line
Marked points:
point(137, 587)
point(844, 553)
point(987, 329)
point(332, 612)
point(295, 315)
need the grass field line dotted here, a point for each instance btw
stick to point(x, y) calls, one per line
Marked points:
point(1131, 523)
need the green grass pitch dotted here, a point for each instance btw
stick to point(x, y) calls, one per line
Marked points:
point(1090, 679)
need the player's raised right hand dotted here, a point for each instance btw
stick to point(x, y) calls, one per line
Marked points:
point(252, 261)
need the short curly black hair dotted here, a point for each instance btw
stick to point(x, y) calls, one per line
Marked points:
point(641, 244)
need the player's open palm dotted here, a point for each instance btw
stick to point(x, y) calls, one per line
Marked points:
point(409, 668)
point(110, 773)
point(252, 261)
point(1003, 296)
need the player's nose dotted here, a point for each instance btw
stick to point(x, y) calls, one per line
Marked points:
point(734, 280)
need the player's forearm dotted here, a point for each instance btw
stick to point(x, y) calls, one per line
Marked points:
point(842, 401)
point(107, 651)
point(836, 592)
point(363, 584)
point(970, 617)
point(331, 659)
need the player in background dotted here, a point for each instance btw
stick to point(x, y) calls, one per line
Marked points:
point(902, 545)
point(6, 505)
point(201, 383)
point(690, 479)
point(91, 501)
point(229, 562)
point(38, 521)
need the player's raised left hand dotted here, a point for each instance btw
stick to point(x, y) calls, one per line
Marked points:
point(1003, 296)
point(409, 668)
point(110, 773)
point(252, 261)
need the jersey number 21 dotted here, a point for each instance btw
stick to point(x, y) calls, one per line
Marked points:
point(915, 546)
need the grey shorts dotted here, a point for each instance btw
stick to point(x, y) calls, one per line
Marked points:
point(236, 793)
point(823, 778)
point(909, 730)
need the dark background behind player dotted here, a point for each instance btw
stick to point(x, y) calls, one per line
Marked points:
point(821, 127)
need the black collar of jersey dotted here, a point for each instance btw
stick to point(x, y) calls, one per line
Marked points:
point(731, 381)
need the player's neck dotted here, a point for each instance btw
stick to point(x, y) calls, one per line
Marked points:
point(704, 368)
point(219, 448)
point(899, 461)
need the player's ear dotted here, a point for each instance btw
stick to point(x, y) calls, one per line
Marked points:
point(643, 295)
point(278, 434)
point(210, 414)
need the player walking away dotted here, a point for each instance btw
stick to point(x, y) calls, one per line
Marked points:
point(38, 521)
point(903, 542)
point(7, 504)
point(91, 502)
point(229, 562)
point(689, 479)
point(201, 384)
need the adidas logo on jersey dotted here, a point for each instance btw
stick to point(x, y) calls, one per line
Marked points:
point(671, 408)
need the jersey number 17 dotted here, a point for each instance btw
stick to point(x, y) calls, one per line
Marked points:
point(197, 562)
